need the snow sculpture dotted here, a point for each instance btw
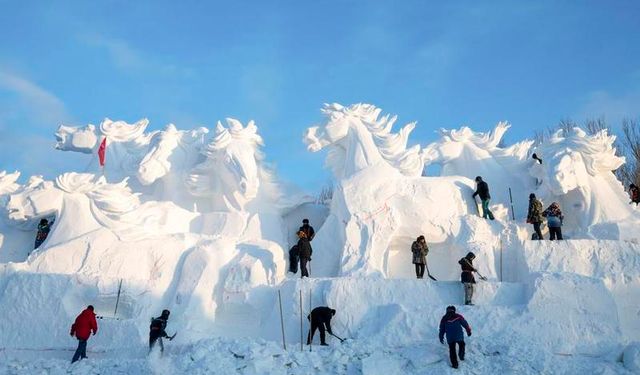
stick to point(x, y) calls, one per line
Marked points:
point(380, 203)
point(578, 174)
point(464, 152)
point(232, 173)
point(170, 156)
point(126, 146)
point(15, 243)
point(360, 139)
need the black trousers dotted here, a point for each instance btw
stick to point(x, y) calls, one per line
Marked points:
point(452, 352)
point(303, 267)
point(153, 338)
point(293, 263)
point(536, 228)
point(81, 351)
point(419, 270)
point(312, 331)
point(555, 232)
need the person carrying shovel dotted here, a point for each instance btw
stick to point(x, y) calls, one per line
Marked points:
point(420, 251)
point(467, 278)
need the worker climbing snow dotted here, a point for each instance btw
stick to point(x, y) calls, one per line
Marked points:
point(82, 328)
point(451, 324)
point(157, 330)
point(482, 190)
point(43, 231)
point(320, 318)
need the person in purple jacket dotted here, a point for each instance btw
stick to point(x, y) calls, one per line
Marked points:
point(452, 324)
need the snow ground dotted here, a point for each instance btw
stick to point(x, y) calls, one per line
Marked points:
point(248, 356)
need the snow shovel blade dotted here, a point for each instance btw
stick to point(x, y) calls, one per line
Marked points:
point(432, 278)
point(172, 337)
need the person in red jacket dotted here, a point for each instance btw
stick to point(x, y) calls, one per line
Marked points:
point(83, 326)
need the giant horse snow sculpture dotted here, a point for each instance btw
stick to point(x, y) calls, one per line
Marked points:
point(15, 243)
point(170, 156)
point(464, 152)
point(234, 179)
point(83, 203)
point(578, 174)
point(380, 196)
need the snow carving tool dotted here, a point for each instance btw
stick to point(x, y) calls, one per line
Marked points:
point(341, 339)
point(476, 271)
point(172, 337)
point(475, 203)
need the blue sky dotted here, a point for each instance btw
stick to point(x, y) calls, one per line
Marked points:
point(443, 64)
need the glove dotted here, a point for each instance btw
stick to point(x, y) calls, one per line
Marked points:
point(468, 333)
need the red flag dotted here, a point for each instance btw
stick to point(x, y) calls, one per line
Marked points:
point(102, 151)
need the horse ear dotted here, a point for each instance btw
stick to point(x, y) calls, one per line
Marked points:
point(251, 127)
point(219, 128)
point(170, 128)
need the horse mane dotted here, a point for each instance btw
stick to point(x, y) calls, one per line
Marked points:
point(392, 146)
point(482, 140)
point(109, 198)
point(120, 131)
point(8, 182)
point(597, 150)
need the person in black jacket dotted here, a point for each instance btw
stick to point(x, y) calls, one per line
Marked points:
point(320, 318)
point(157, 330)
point(304, 252)
point(294, 258)
point(467, 278)
point(452, 324)
point(482, 190)
point(307, 229)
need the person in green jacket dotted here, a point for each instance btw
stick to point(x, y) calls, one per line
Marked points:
point(534, 215)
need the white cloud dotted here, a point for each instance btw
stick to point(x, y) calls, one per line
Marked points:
point(120, 52)
point(614, 107)
point(32, 102)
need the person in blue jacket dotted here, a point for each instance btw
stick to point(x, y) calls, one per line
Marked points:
point(451, 324)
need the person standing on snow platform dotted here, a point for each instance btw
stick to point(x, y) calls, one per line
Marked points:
point(451, 324)
point(157, 330)
point(482, 190)
point(554, 221)
point(467, 278)
point(320, 318)
point(420, 250)
point(634, 194)
point(534, 216)
point(84, 324)
point(43, 231)
point(307, 229)
point(304, 252)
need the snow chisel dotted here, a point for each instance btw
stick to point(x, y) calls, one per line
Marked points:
point(475, 203)
point(172, 337)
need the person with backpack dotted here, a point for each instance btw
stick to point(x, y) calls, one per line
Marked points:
point(44, 227)
point(634, 194)
point(534, 216)
point(482, 190)
point(307, 229)
point(157, 330)
point(467, 278)
point(451, 324)
point(320, 318)
point(420, 250)
point(304, 252)
point(554, 221)
point(82, 328)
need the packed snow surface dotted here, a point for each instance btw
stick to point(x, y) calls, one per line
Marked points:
point(196, 222)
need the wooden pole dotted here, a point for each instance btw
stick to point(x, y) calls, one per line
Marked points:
point(513, 214)
point(117, 298)
point(500, 258)
point(284, 342)
point(301, 342)
point(310, 343)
